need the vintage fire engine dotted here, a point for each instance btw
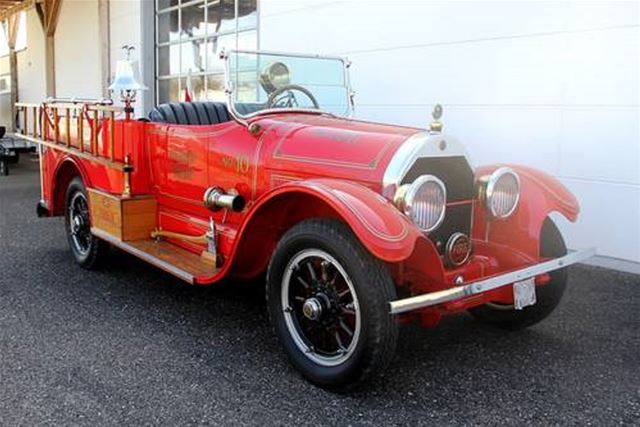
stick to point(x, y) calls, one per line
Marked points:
point(358, 226)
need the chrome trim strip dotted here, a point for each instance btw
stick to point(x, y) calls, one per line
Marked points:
point(163, 265)
point(418, 145)
point(439, 297)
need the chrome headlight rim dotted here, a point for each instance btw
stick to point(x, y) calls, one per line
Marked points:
point(492, 182)
point(406, 194)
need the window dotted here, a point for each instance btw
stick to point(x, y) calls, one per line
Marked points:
point(21, 40)
point(189, 37)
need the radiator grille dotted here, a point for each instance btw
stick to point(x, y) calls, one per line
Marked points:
point(457, 176)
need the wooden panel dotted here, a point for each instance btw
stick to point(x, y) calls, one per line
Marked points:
point(106, 212)
point(184, 260)
point(139, 217)
point(138, 205)
point(131, 218)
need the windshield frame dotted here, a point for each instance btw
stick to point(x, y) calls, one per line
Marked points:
point(243, 119)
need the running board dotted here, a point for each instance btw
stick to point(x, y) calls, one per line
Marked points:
point(166, 256)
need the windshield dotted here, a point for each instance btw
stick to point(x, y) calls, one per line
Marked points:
point(261, 82)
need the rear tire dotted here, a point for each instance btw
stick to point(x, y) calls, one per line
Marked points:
point(87, 250)
point(328, 300)
point(547, 296)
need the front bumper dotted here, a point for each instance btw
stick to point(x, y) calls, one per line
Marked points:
point(484, 285)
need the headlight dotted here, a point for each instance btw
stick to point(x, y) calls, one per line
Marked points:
point(424, 201)
point(502, 193)
point(275, 76)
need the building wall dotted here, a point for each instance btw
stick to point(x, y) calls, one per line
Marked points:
point(31, 83)
point(77, 50)
point(554, 85)
point(31, 62)
point(5, 98)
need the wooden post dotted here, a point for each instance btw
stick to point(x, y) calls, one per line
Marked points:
point(67, 129)
point(48, 12)
point(104, 36)
point(56, 129)
point(25, 111)
point(80, 130)
point(44, 117)
point(35, 122)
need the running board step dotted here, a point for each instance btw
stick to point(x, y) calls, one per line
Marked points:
point(181, 263)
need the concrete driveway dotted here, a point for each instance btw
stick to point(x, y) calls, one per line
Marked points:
point(132, 345)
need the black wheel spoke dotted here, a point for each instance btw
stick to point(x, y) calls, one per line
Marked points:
point(312, 272)
point(303, 283)
point(344, 293)
point(341, 346)
point(317, 308)
point(345, 327)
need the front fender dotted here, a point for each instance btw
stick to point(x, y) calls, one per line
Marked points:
point(382, 229)
point(540, 194)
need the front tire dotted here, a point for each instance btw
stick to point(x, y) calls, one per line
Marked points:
point(328, 300)
point(87, 250)
point(548, 296)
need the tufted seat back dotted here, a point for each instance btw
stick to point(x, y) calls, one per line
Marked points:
point(190, 113)
point(198, 113)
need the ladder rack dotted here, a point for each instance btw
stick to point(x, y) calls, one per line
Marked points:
point(63, 124)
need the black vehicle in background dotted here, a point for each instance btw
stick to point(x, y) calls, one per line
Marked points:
point(10, 150)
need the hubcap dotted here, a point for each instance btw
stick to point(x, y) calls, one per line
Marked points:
point(312, 309)
point(320, 307)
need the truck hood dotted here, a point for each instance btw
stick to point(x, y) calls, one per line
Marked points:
point(298, 146)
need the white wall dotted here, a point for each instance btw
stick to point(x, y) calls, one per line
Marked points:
point(77, 50)
point(125, 29)
point(31, 78)
point(554, 85)
point(31, 62)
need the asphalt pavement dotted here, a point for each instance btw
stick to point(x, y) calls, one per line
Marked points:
point(131, 345)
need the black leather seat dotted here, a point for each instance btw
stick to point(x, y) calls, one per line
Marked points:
point(198, 113)
point(190, 113)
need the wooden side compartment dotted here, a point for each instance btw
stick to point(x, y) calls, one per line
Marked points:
point(125, 218)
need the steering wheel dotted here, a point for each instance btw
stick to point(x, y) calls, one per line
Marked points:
point(289, 99)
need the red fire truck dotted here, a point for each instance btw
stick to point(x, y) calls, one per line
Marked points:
point(358, 226)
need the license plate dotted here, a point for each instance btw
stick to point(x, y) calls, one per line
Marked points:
point(524, 293)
